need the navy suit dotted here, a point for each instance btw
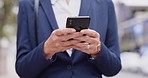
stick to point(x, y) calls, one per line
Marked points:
point(31, 62)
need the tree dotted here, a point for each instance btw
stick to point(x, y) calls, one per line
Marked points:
point(4, 14)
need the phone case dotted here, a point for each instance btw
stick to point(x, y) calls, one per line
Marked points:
point(78, 23)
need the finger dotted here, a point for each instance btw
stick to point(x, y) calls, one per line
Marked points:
point(91, 33)
point(83, 38)
point(64, 31)
point(88, 39)
point(67, 48)
point(82, 46)
point(69, 43)
point(70, 36)
point(83, 50)
point(89, 49)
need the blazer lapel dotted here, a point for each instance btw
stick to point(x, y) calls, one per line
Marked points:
point(85, 4)
point(47, 7)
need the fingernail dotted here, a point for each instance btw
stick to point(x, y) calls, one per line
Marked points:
point(73, 30)
point(81, 31)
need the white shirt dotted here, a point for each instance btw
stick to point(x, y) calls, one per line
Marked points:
point(62, 10)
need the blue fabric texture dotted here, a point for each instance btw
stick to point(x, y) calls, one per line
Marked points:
point(31, 62)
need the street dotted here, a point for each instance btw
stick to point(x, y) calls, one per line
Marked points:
point(124, 74)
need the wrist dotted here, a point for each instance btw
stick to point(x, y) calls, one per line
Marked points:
point(48, 54)
point(97, 51)
point(93, 55)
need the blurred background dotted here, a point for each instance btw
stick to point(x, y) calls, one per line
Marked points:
point(132, 16)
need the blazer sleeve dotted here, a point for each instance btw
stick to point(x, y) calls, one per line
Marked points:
point(108, 60)
point(30, 61)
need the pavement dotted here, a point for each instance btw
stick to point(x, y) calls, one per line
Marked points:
point(126, 74)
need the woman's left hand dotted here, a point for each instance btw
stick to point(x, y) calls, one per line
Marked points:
point(90, 43)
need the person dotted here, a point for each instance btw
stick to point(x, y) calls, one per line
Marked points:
point(56, 56)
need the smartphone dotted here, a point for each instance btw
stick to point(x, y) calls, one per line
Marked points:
point(78, 23)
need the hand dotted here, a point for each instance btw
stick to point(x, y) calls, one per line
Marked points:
point(91, 42)
point(60, 41)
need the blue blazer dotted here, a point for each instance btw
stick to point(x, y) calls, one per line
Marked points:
point(31, 62)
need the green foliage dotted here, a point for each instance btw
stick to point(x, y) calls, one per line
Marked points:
point(7, 17)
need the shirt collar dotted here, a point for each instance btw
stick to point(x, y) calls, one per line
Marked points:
point(53, 1)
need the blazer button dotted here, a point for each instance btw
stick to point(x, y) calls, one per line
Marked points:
point(69, 67)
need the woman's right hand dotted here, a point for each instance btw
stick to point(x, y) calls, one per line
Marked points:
point(59, 41)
